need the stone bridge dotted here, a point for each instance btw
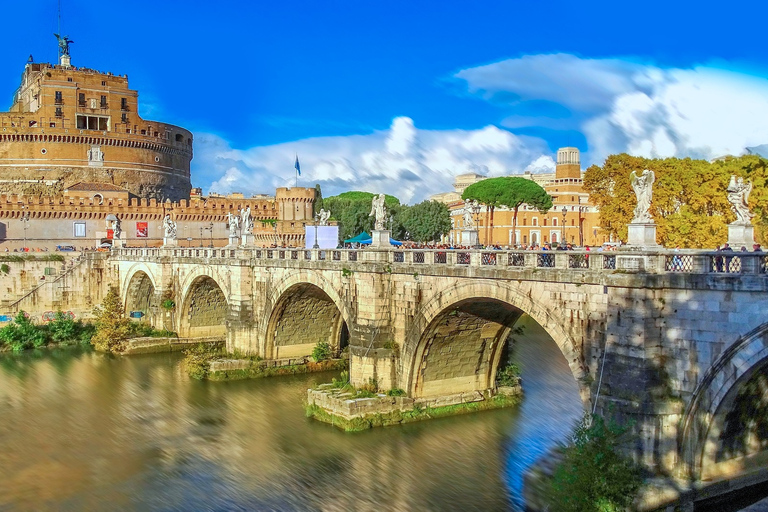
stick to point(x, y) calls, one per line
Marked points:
point(669, 340)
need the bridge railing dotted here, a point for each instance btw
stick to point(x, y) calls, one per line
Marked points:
point(663, 261)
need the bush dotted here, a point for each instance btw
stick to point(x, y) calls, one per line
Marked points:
point(342, 381)
point(321, 352)
point(168, 304)
point(5, 269)
point(197, 360)
point(508, 376)
point(22, 334)
point(396, 392)
point(593, 475)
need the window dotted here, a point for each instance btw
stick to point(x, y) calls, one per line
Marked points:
point(69, 79)
point(554, 221)
point(179, 137)
point(535, 221)
point(79, 229)
point(124, 118)
point(123, 103)
point(103, 83)
point(58, 112)
point(545, 222)
point(92, 123)
point(103, 103)
point(58, 98)
point(81, 99)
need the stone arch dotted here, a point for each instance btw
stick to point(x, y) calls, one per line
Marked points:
point(204, 310)
point(457, 305)
point(303, 306)
point(140, 295)
point(702, 421)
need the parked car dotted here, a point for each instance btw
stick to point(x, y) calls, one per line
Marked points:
point(65, 248)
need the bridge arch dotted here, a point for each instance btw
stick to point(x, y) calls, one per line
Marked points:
point(205, 305)
point(138, 290)
point(303, 308)
point(705, 417)
point(483, 312)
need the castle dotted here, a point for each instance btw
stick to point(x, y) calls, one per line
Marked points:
point(76, 159)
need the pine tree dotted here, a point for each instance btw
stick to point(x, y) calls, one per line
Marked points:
point(112, 328)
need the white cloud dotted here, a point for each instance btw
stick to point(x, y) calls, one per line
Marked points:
point(403, 160)
point(626, 106)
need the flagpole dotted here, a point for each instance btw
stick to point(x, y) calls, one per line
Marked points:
point(296, 167)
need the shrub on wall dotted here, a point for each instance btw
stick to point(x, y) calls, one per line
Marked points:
point(112, 328)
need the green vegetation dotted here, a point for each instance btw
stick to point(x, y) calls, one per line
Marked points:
point(168, 304)
point(5, 269)
point(352, 209)
point(31, 257)
point(322, 352)
point(593, 475)
point(144, 330)
point(345, 272)
point(22, 333)
point(508, 376)
point(508, 191)
point(112, 328)
point(690, 205)
point(415, 414)
point(425, 222)
point(198, 359)
point(396, 392)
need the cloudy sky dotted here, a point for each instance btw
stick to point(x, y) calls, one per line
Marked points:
point(401, 96)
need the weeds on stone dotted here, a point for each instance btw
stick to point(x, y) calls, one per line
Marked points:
point(396, 392)
point(508, 376)
point(197, 360)
point(322, 351)
point(22, 333)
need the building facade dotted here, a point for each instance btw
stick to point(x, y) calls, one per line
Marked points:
point(69, 125)
point(572, 219)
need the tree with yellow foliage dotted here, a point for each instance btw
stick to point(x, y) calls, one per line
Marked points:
point(690, 205)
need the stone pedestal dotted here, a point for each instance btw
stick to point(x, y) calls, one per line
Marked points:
point(117, 242)
point(642, 236)
point(380, 239)
point(469, 237)
point(741, 235)
point(170, 242)
point(248, 240)
point(232, 241)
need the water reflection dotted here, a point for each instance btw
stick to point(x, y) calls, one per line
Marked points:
point(86, 431)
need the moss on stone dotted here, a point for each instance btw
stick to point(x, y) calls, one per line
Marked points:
point(358, 424)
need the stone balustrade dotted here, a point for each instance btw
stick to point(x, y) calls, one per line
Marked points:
point(686, 262)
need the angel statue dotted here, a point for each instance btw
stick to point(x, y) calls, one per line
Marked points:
point(323, 217)
point(234, 223)
point(738, 196)
point(64, 42)
point(169, 227)
point(379, 211)
point(469, 222)
point(246, 220)
point(643, 187)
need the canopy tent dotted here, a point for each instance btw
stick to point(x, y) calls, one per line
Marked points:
point(364, 238)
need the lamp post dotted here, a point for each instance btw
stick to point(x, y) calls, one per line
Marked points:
point(316, 245)
point(210, 227)
point(565, 212)
point(25, 220)
point(275, 225)
point(201, 236)
point(476, 214)
point(582, 209)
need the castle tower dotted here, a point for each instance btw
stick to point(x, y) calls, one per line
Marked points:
point(568, 164)
point(69, 125)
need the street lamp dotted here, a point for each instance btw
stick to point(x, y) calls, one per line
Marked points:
point(565, 212)
point(210, 227)
point(25, 220)
point(316, 245)
point(476, 213)
point(201, 236)
point(275, 225)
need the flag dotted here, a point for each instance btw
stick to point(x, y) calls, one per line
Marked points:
point(297, 166)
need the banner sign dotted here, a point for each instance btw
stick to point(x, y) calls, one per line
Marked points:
point(142, 230)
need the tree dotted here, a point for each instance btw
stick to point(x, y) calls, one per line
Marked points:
point(690, 205)
point(318, 205)
point(112, 328)
point(351, 210)
point(594, 475)
point(22, 334)
point(426, 221)
point(509, 191)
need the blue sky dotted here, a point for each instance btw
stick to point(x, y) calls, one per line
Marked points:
point(400, 97)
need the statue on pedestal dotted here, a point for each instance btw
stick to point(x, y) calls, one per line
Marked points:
point(246, 221)
point(643, 187)
point(169, 228)
point(469, 222)
point(738, 195)
point(379, 212)
point(323, 216)
point(234, 223)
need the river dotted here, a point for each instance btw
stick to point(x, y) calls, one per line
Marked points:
point(85, 431)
